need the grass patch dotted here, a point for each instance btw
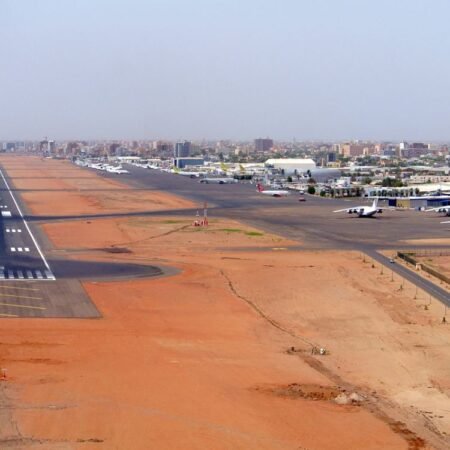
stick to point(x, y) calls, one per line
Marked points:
point(173, 221)
point(238, 230)
point(254, 233)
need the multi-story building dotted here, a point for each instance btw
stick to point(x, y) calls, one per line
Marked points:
point(263, 145)
point(352, 150)
point(182, 149)
point(414, 150)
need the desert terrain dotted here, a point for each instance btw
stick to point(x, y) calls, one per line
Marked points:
point(224, 355)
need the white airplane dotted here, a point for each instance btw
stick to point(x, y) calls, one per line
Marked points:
point(117, 170)
point(273, 193)
point(364, 211)
point(218, 180)
point(185, 173)
point(97, 166)
point(441, 209)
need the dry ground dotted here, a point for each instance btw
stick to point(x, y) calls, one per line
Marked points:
point(220, 356)
point(440, 263)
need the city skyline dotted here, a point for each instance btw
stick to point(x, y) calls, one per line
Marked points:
point(334, 71)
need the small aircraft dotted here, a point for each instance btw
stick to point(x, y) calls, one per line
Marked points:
point(364, 211)
point(441, 209)
point(273, 193)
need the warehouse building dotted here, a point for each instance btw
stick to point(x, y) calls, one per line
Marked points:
point(291, 166)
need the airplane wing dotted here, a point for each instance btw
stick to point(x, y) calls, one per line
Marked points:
point(347, 209)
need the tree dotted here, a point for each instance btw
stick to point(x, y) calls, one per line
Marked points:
point(289, 179)
point(311, 190)
point(311, 181)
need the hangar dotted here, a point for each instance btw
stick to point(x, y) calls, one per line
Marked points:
point(291, 165)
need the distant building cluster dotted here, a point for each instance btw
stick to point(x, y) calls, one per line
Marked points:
point(286, 154)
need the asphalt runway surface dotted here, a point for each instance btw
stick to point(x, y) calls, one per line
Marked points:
point(33, 285)
point(312, 223)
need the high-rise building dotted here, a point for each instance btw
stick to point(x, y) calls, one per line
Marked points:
point(182, 149)
point(351, 150)
point(263, 145)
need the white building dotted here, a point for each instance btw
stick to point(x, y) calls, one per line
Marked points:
point(291, 165)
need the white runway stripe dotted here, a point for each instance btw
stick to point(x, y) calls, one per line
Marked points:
point(49, 275)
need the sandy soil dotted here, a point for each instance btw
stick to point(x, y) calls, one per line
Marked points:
point(427, 241)
point(86, 193)
point(220, 356)
point(440, 263)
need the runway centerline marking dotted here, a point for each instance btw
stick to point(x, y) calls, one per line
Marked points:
point(24, 222)
point(21, 296)
point(8, 315)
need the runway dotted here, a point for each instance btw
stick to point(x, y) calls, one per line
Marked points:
point(34, 285)
point(22, 258)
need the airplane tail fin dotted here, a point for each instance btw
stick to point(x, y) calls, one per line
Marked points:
point(259, 187)
point(375, 203)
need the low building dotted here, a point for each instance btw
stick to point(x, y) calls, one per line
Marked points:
point(180, 163)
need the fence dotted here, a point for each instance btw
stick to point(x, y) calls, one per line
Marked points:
point(410, 258)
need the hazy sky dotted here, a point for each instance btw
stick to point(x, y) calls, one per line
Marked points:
point(310, 69)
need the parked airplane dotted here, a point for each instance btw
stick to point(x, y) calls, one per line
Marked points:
point(218, 180)
point(186, 174)
point(273, 193)
point(441, 209)
point(117, 170)
point(364, 211)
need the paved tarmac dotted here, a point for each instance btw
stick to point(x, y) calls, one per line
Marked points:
point(34, 285)
point(312, 223)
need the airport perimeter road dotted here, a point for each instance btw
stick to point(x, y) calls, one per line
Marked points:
point(422, 283)
point(20, 255)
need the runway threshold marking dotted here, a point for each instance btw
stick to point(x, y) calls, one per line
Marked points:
point(13, 305)
point(21, 296)
point(8, 213)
